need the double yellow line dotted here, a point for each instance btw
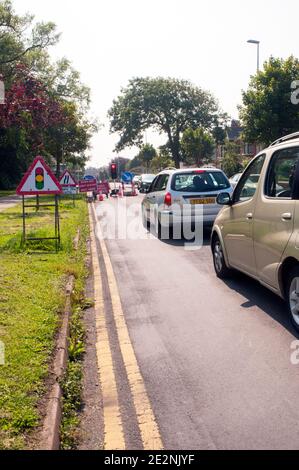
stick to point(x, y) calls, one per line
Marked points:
point(113, 423)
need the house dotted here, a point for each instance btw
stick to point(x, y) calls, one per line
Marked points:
point(234, 135)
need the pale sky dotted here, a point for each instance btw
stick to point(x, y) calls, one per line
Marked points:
point(111, 41)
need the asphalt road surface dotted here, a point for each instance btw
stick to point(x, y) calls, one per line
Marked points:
point(214, 356)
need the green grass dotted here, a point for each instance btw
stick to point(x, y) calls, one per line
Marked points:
point(7, 193)
point(31, 299)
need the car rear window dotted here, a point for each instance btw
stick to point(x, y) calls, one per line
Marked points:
point(200, 181)
point(148, 178)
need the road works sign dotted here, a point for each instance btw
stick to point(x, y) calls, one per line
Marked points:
point(39, 180)
point(88, 186)
point(67, 180)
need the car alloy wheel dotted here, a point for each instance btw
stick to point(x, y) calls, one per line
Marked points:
point(220, 265)
point(294, 300)
point(218, 257)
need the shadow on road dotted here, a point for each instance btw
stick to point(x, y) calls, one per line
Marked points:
point(261, 297)
point(183, 242)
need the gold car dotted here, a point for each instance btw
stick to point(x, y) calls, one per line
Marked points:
point(257, 232)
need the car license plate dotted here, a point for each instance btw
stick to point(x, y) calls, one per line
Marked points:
point(203, 201)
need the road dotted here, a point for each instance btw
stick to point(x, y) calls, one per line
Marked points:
point(214, 357)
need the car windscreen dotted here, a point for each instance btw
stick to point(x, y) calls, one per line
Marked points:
point(200, 181)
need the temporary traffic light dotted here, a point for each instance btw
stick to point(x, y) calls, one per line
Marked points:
point(114, 171)
point(39, 178)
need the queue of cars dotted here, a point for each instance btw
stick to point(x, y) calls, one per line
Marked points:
point(145, 183)
point(257, 230)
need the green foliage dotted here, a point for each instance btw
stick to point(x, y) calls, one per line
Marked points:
point(146, 154)
point(162, 160)
point(19, 36)
point(267, 112)
point(135, 163)
point(72, 402)
point(77, 336)
point(24, 46)
point(198, 146)
point(219, 135)
point(231, 162)
point(167, 105)
point(72, 382)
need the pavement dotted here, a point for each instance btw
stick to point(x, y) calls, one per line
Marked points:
point(8, 202)
point(214, 356)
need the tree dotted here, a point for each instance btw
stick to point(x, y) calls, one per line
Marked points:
point(135, 164)
point(104, 173)
point(29, 111)
point(169, 106)
point(18, 37)
point(219, 135)
point(162, 160)
point(146, 154)
point(231, 162)
point(198, 146)
point(268, 112)
point(68, 139)
point(45, 110)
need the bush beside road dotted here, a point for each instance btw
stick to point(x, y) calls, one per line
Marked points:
point(31, 299)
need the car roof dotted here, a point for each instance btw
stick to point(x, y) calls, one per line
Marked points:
point(189, 170)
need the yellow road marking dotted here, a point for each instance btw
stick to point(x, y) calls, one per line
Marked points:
point(113, 428)
point(149, 430)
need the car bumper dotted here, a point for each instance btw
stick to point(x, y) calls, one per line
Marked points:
point(169, 219)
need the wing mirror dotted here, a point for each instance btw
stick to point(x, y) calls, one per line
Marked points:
point(224, 199)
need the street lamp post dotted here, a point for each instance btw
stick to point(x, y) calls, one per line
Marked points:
point(257, 43)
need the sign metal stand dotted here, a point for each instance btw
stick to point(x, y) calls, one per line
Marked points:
point(39, 180)
point(57, 237)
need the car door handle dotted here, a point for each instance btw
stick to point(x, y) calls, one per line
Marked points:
point(249, 216)
point(286, 216)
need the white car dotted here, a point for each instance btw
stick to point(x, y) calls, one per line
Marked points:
point(234, 180)
point(137, 180)
point(178, 197)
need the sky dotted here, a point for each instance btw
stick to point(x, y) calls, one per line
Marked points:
point(204, 41)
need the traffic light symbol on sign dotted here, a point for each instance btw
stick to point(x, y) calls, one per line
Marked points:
point(39, 179)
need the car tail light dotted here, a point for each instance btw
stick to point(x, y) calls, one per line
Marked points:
point(199, 172)
point(168, 200)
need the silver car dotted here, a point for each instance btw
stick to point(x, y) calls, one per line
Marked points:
point(235, 179)
point(184, 197)
point(257, 232)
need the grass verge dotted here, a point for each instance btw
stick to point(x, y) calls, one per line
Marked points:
point(31, 298)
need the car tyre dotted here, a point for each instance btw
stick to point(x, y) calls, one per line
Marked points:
point(292, 297)
point(221, 268)
point(159, 229)
point(146, 223)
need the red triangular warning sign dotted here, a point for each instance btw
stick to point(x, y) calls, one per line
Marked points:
point(39, 179)
point(68, 180)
